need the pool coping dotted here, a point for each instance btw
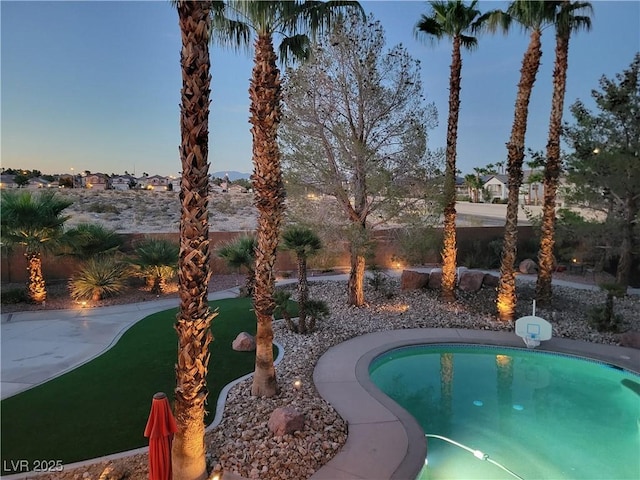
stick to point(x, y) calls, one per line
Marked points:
point(384, 441)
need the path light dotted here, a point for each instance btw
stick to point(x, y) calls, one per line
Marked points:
point(596, 150)
point(297, 384)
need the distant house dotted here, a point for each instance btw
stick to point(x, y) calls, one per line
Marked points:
point(97, 181)
point(7, 181)
point(38, 182)
point(461, 187)
point(154, 182)
point(122, 182)
point(532, 189)
point(497, 186)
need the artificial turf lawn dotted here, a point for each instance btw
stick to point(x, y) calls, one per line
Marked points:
point(102, 407)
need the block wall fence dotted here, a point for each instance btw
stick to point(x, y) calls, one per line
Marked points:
point(14, 266)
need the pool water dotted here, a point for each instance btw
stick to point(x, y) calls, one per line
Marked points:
point(540, 415)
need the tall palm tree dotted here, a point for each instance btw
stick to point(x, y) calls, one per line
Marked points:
point(533, 16)
point(304, 242)
point(194, 316)
point(568, 20)
point(34, 222)
point(452, 19)
point(240, 21)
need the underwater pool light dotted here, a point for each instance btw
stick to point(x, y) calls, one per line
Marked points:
point(476, 453)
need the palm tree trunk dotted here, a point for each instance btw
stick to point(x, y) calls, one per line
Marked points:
point(36, 286)
point(506, 301)
point(269, 199)
point(449, 250)
point(194, 316)
point(551, 173)
point(303, 293)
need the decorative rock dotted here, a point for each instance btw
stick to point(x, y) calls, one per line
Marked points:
point(435, 279)
point(471, 281)
point(630, 339)
point(285, 420)
point(528, 266)
point(490, 280)
point(411, 280)
point(244, 342)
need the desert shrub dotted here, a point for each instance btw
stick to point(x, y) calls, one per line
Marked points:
point(377, 278)
point(418, 244)
point(14, 295)
point(100, 207)
point(602, 317)
point(99, 278)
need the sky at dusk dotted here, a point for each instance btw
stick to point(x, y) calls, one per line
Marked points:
point(96, 85)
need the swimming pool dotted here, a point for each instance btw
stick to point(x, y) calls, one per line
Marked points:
point(539, 415)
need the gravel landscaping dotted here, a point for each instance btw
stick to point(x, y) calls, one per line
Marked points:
point(243, 444)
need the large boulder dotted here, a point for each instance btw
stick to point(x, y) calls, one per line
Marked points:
point(285, 420)
point(244, 342)
point(490, 280)
point(410, 280)
point(435, 279)
point(528, 266)
point(471, 281)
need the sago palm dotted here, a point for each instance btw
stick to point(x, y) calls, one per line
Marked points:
point(533, 17)
point(567, 21)
point(304, 242)
point(455, 20)
point(34, 222)
point(236, 26)
point(188, 460)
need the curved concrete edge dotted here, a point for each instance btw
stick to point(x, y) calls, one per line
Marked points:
point(384, 440)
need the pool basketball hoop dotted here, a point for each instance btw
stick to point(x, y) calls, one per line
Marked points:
point(532, 329)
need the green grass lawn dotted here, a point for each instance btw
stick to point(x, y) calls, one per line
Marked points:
point(102, 407)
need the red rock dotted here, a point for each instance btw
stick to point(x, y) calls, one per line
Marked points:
point(528, 266)
point(244, 342)
point(471, 281)
point(285, 420)
point(630, 339)
point(435, 279)
point(410, 280)
point(490, 280)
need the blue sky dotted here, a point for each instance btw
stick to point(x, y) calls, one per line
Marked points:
point(96, 85)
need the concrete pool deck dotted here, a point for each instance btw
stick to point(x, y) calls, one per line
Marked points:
point(384, 441)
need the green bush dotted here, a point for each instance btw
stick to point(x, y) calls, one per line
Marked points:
point(14, 295)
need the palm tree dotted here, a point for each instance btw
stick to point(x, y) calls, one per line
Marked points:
point(452, 19)
point(567, 21)
point(155, 260)
point(304, 242)
point(194, 316)
point(240, 253)
point(236, 25)
point(89, 240)
point(34, 222)
point(474, 185)
point(533, 16)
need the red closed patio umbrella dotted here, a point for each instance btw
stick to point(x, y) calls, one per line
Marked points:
point(160, 429)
